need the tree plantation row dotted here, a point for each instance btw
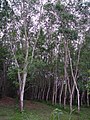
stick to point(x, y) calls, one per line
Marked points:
point(45, 51)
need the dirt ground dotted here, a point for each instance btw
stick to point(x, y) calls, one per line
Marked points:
point(7, 101)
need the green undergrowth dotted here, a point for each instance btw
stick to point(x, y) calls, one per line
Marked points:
point(41, 111)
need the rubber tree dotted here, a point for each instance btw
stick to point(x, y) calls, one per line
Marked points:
point(23, 40)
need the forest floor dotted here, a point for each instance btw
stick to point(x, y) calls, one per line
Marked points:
point(36, 111)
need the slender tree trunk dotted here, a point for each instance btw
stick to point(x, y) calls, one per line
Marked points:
point(71, 98)
point(38, 92)
point(87, 99)
point(65, 70)
point(48, 91)
point(65, 96)
point(71, 102)
point(43, 95)
point(82, 96)
point(56, 91)
point(53, 93)
point(21, 101)
point(74, 79)
point(61, 91)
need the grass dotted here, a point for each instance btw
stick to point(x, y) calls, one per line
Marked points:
point(11, 113)
point(39, 111)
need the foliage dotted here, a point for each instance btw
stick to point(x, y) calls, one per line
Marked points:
point(70, 34)
point(4, 55)
point(5, 13)
point(85, 64)
point(12, 83)
point(56, 114)
point(59, 7)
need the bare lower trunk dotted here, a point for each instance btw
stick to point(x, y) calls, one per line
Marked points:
point(71, 98)
point(71, 102)
point(38, 93)
point(75, 81)
point(60, 96)
point(53, 93)
point(65, 96)
point(87, 99)
point(54, 98)
point(48, 91)
point(21, 101)
point(78, 95)
point(82, 98)
point(43, 95)
point(56, 92)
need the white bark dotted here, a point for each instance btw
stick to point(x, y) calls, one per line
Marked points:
point(74, 80)
point(61, 91)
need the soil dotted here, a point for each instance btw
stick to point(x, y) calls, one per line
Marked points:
point(7, 101)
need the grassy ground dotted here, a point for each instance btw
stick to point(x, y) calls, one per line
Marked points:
point(37, 111)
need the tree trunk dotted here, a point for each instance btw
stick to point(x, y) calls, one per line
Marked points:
point(21, 89)
point(56, 91)
point(65, 95)
point(53, 93)
point(75, 80)
point(21, 101)
point(48, 91)
point(61, 91)
point(82, 98)
point(71, 102)
point(87, 99)
point(43, 95)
